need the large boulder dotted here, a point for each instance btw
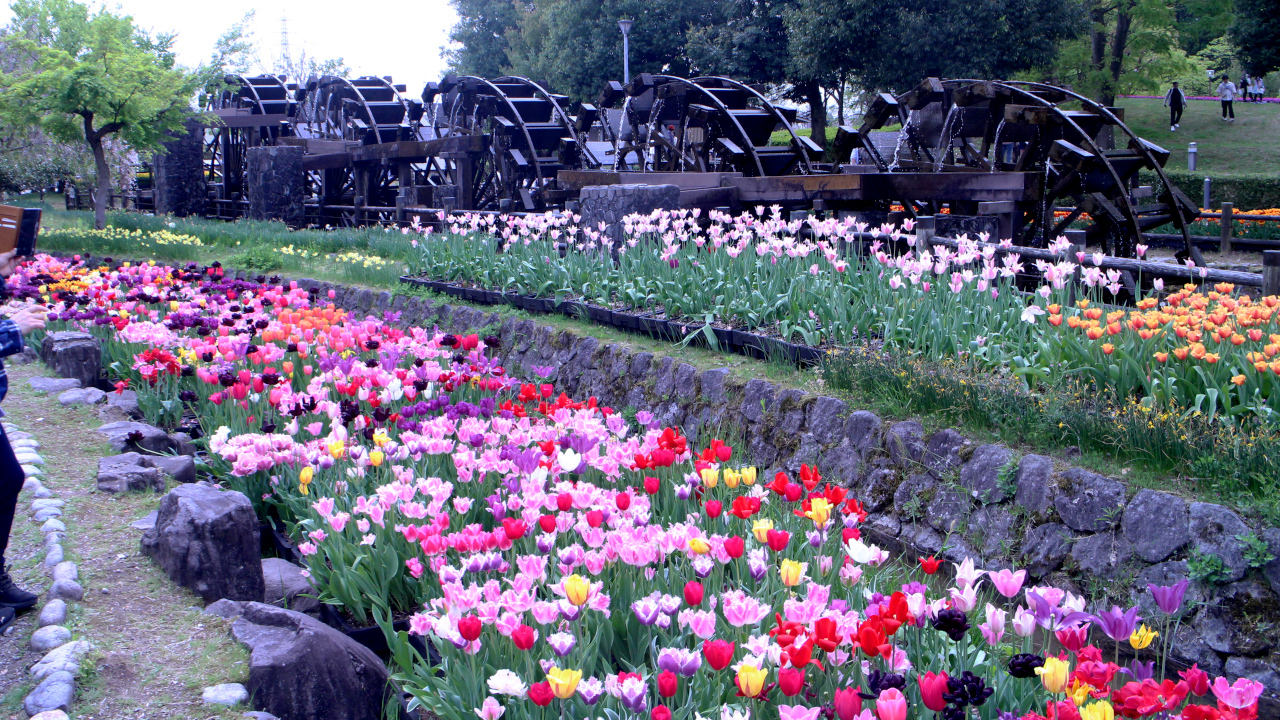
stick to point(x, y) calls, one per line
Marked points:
point(207, 540)
point(73, 354)
point(1089, 502)
point(300, 668)
point(127, 435)
point(1156, 524)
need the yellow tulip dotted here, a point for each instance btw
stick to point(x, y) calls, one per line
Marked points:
point(173, 304)
point(751, 679)
point(380, 437)
point(760, 528)
point(305, 476)
point(710, 477)
point(376, 457)
point(732, 478)
point(1079, 692)
point(1101, 710)
point(820, 511)
point(1142, 637)
point(699, 546)
point(749, 476)
point(1054, 674)
point(563, 682)
point(791, 571)
point(576, 589)
point(337, 448)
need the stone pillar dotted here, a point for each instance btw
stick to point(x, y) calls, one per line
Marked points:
point(610, 203)
point(179, 182)
point(275, 183)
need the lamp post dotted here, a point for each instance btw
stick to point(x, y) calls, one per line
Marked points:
point(625, 27)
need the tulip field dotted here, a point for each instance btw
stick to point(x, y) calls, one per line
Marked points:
point(563, 559)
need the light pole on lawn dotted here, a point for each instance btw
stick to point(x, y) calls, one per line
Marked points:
point(625, 27)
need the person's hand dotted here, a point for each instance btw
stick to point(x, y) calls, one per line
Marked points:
point(8, 262)
point(29, 318)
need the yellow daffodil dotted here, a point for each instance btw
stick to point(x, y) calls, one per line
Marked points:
point(749, 476)
point(564, 683)
point(1054, 674)
point(1142, 637)
point(1101, 710)
point(791, 572)
point(577, 589)
point(710, 477)
point(732, 478)
point(751, 679)
point(760, 528)
point(699, 546)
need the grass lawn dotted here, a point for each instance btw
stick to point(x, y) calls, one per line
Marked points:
point(1249, 145)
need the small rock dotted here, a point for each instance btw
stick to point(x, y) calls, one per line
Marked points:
point(128, 472)
point(1215, 530)
point(259, 715)
point(66, 590)
point(31, 484)
point(151, 439)
point(50, 715)
point(61, 659)
point(182, 468)
point(54, 612)
point(225, 694)
point(1089, 502)
point(126, 402)
point(24, 442)
point(108, 414)
point(30, 471)
point(66, 571)
point(46, 502)
point(49, 637)
point(1033, 483)
point(29, 458)
point(981, 475)
point(1045, 547)
point(53, 385)
point(147, 522)
point(53, 525)
point(105, 591)
point(47, 513)
point(226, 608)
point(85, 396)
point(1156, 524)
point(1072, 451)
point(42, 492)
point(54, 556)
point(53, 693)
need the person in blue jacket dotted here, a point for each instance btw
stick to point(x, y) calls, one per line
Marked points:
point(12, 329)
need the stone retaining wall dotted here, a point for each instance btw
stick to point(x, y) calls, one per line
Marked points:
point(931, 493)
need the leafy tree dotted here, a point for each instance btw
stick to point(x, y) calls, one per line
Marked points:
point(480, 37)
point(893, 47)
point(87, 75)
point(1256, 32)
point(574, 47)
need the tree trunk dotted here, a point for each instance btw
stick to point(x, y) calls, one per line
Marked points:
point(817, 114)
point(1119, 45)
point(103, 193)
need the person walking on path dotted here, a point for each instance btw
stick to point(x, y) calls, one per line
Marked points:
point(1174, 100)
point(12, 329)
point(1246, 87)
point(1227, 92)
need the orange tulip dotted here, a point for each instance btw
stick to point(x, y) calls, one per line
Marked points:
point(1238, 380)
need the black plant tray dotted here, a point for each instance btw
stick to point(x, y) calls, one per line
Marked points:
point(744, 343)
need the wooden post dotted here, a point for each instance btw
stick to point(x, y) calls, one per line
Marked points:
point(925, 225)
point(1270, 272)
point(1226, 228)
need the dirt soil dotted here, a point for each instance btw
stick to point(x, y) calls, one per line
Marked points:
point(154, 650)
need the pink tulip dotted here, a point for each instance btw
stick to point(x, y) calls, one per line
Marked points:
point(1008, 583)
point(798, 712)
point(1244, 693)
point(891, 705)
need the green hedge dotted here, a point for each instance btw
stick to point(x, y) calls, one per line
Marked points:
point(1245, 192)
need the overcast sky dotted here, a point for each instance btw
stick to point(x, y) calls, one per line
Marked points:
point(401, 39)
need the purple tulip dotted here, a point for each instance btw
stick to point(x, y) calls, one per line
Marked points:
point(1169, 597)
point(1139, 670)
point(1118, 624)
point(562, 643)
point(646, 610)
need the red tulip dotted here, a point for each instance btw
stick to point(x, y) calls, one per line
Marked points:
point(719, 653)
point(564, 501)
point(734, 547)
point(713, 509)
point(930, 565)
point(652, 485)
point(778, 540)
point(595, 518)
point(547, 523)
point(790, 681)
point(540, 694)
point(848, 703)
point(794, 492)
point(693, 593)
point(623, 500)
point(660, 712)
point(523, 637)
point(514, 528)
point(469, 628)
point(1197, 679)
point(932, 685)
point(744, 507)
point(668, 683)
